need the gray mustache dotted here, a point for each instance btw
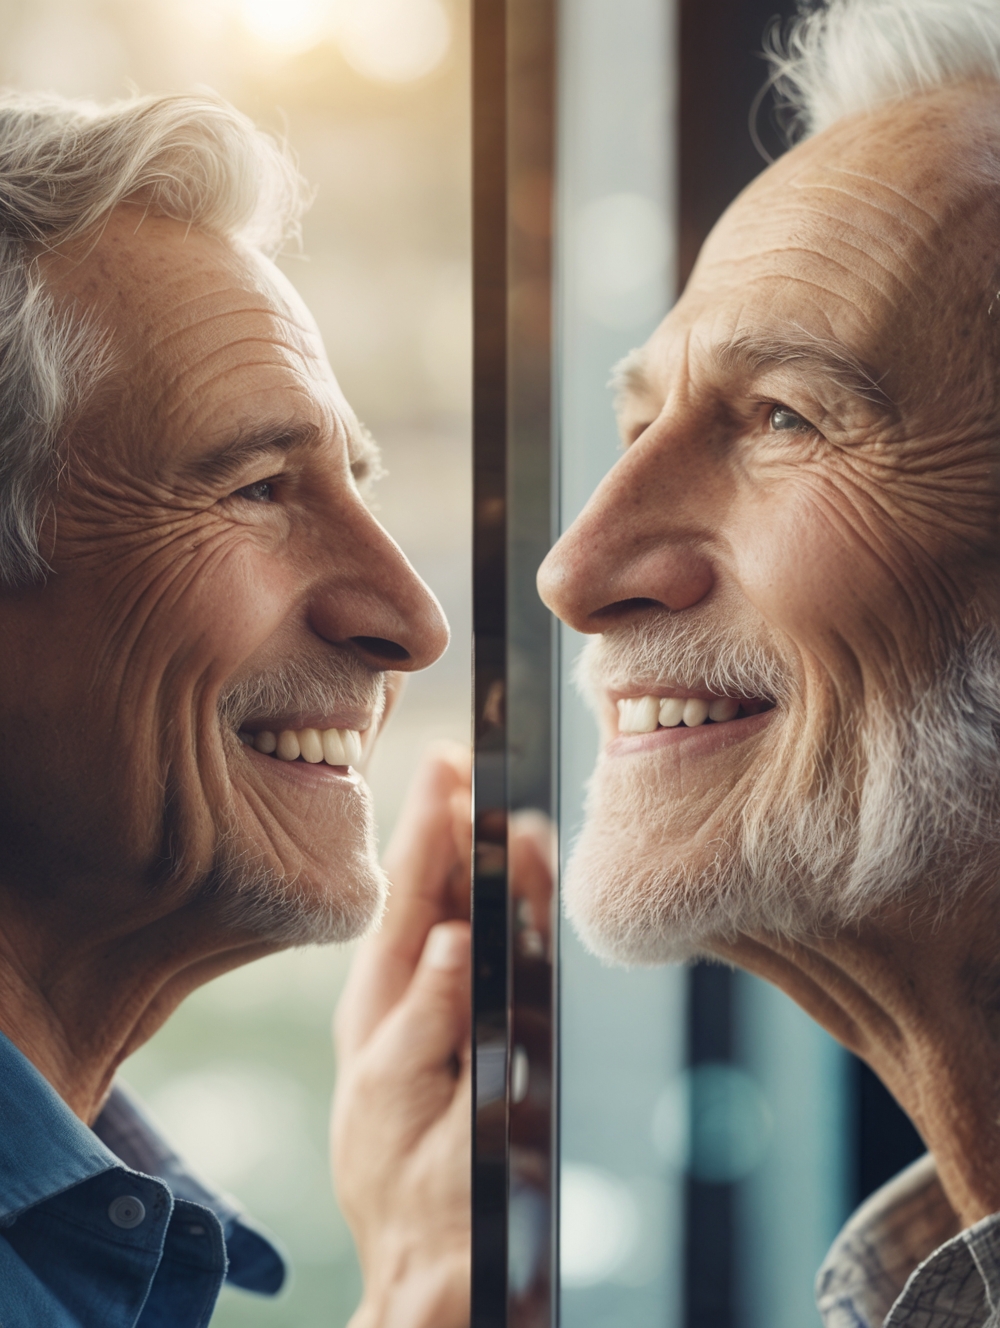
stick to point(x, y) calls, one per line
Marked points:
point(675, 653)
point(341, 681)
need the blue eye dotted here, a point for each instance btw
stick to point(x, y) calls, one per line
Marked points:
point(261, 492)
point(784, 420)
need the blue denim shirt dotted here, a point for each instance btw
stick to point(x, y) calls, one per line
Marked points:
point(107, 1228)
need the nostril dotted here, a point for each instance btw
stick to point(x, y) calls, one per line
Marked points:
point(378, 646)
point(625, 608)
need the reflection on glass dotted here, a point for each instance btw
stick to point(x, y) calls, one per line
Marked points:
point(705, 1132)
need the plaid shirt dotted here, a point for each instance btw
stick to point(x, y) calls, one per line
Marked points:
point(902, 1262)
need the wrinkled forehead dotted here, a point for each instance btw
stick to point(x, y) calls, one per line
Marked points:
point(196, 324)
point(877, 234)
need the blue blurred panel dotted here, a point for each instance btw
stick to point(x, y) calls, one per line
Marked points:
point(792, 1203)
point(622, 1209)
point(622, 1032)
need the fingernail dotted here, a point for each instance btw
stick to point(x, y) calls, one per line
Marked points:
point(446, 947)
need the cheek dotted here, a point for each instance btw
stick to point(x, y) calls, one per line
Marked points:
point(112, 685)
point(830, 570)
point(188, 618)
point(231, 606)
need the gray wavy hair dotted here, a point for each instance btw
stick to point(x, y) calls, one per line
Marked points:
point(64, 166)
point(847, 56)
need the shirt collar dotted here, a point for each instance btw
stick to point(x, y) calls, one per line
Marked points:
point(125, 1126)
point(902, 1259)
point(45, 1149)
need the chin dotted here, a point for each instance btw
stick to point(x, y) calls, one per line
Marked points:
point(318, 900)
point(632, 893)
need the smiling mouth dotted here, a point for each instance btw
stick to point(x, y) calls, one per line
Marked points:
point(334, 747)
point(646, 714)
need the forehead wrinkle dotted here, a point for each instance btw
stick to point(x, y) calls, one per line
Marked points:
point(882, 209)
point(158, 343)
point(779, 279)
point(789, 247)
point(169, 403)
point(816, 288)
point(896, 191)
point(879, 240)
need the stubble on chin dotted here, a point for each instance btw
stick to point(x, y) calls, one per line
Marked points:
point(322, 903)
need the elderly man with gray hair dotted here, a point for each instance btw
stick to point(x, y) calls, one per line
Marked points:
point(202, 627)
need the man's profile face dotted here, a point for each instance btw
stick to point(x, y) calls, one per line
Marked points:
point(803, 525)
point(215, 572)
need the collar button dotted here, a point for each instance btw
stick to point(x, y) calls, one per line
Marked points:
point(126, 1212)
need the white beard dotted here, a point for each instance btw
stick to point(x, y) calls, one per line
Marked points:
point(805, 853)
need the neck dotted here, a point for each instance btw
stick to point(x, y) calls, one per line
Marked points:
point(78, 1002)
point(920, 1002)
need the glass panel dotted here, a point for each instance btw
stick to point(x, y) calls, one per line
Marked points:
point(706, 1126)
point(622, 1033)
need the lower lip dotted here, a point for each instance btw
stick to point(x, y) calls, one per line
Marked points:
point(700, 741)
point(304, 771)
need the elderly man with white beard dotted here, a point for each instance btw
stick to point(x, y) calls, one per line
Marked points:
point(791, 576)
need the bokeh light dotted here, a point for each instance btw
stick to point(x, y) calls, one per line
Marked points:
point(713, 1122)
point(289, 25)
point(390, 41)
point(598, 1226)
point(394, 41)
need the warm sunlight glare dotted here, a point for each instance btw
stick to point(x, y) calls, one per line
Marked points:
point(290, 25)
point(393, 41)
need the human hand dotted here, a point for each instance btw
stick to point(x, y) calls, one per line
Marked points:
point(400, 1131)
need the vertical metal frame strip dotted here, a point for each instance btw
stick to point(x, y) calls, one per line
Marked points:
point(514, 1162)
point(531, 658)
point(490, 930)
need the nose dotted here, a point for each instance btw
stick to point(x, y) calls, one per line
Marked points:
point(371, 601)
point(638, 547)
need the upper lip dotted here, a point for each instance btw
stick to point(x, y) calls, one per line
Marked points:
point(663, 691)
point(359, 721)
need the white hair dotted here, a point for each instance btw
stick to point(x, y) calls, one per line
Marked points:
point(849, 56)
point(64, 166)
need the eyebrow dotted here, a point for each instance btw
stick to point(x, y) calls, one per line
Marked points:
point(366, 465)
point(754, 354)
point(227, 460)
point(629, 378)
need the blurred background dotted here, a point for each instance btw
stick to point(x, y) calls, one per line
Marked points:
point(372, 95)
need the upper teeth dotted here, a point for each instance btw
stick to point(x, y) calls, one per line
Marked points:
point(643, 714)
point(334, 746)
